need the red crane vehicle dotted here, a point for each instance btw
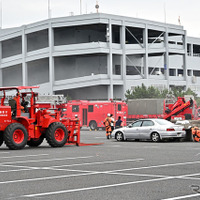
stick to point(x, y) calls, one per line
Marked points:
point(170, 108)
point(182, 108)
point(22, 124)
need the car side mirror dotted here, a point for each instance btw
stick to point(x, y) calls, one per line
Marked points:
point(130, 125)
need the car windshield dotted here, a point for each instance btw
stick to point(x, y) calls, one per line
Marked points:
point(163, 122)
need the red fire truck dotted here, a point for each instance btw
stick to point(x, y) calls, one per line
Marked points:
point(92, 113)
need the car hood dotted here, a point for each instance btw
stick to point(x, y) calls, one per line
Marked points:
point(120, 129)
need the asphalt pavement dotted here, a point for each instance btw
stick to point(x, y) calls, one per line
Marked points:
point(113, 170)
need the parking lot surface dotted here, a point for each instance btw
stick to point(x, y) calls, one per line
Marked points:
point(113, 170)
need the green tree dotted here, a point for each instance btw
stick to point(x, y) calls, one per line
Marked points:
point(142, 92)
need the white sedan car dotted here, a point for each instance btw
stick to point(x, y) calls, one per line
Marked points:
point(149, 129)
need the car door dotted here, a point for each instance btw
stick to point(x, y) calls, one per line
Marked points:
point(146, 129)
point(132, 131)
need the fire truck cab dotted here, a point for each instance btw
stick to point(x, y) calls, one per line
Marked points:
point(92, 113)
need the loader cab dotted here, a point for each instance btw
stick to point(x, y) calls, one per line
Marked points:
point(23, 103)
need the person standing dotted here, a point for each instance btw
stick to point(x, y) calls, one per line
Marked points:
point(119, 123)
point(107, 123)
point(112, 122)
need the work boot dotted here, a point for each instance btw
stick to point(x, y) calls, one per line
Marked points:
point(108, 137)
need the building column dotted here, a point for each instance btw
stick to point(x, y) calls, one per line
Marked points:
point(166, 58)
point(185, 59)
point(51, 60)
point(1, 73)
point(110, 60)
point(24, 52)
point(192, 49)
point(123, 62)
point(146, 56)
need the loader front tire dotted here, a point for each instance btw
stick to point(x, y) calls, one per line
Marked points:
point(15, 136)
point(56, 134)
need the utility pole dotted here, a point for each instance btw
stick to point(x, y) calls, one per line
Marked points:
point(1, 14)
point(80, 7)
point(49, 10)
point(165, 14)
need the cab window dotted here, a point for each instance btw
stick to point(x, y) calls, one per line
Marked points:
point(90, 108)
point(119, 107)
point(75, 108)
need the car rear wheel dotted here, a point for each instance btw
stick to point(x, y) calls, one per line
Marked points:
point(155, 137)
point(119, 136)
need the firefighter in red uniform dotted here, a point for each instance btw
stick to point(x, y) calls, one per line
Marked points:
point(107, 123)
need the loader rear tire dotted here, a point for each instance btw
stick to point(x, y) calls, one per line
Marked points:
point(1, 138)
point(15, 136)
point(56, 134)
point(33, 142)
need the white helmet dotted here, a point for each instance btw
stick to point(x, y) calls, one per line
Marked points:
point(108, 114)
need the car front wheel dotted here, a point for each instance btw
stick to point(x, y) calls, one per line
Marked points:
point(155, 137)
point(119, 136)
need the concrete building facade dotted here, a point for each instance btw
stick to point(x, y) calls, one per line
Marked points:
point(98, 56)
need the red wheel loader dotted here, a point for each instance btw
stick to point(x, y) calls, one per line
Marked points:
point(28, 123)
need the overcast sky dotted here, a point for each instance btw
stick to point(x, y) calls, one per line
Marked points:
point(20, 12)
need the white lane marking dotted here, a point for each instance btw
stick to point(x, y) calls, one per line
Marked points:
point(188, 175)
point(20, 166)
point(141, 175)
point(49, 178)
point(70, 170)
point(100, 163)
point(115, 146)
point(15, 170)
point(52, 168)
point(44, 160)
point(183, 197)
point(157, 166)
point(111, 173)
point(188, 178)
point(4, 152)
point(152, 147)
point(93, 188)
point(24, 156)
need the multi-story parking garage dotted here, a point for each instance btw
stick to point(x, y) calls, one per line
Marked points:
point(98, 56)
